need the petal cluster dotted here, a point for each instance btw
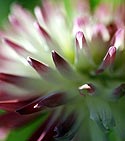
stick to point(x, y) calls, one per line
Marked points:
point(67, 64)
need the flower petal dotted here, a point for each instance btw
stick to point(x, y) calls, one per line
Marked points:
point(119, 38)
point(46, 130)
point(3, 133)
point(53, 100)
point(43, 70)
point(17, 48)
point(20, 81)
point(63, 66)
point(38, 66)
point(83, 56)
point(100, 31)
point(64, 128)
point(44, 102)
point(43, 32)
point(31, 107)
point(108, 59)
point(39, 15)
point(119, 91)
point(13, 103)
point(80, 40)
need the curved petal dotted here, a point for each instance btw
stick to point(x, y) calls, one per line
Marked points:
point(63, 66)
point(44, 70)
point(50, 101)
point(21, 81)
point(11, 103)
point(17, 48)
point(108, 59)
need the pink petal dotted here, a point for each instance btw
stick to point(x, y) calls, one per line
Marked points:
point(108, 59)
point(49, 101)
point(42, 31)
point(51, 44)
point(63, 66)
point(45, 6)
point(79, 24)
point(80, 40)
point(119, 38)
point(20, 81)
point(14, 22)
point(119, 91)
point(39, 15)
point(12, 103)
point(3, 133)
point(100, 32)
point(38, 66)
point(43, 70)
point(31, 107)
point(17, 48)
point(53, 100)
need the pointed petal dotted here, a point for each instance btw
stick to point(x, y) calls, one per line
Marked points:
point(60, 63)
point(79, 23)
point(108, 59)
point(45, 35)
point(40, 130)
point(44, 71)
point(80, 40)
point(119, 38)
point(39, 15)
point(63, 66)
point(17, 48)
point(22, 15)
point(44, 102)
point(46, 131)
point(100, 32)
point(119, 91)
point(14, 22)
point(82, 52)
point(42, 31)
point(38, 66)
point(20, 81)
point(11, 104)
point(53, 100)
point(45, 6)
point(31, 107)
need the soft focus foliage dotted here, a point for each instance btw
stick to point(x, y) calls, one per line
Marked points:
point(6, 4)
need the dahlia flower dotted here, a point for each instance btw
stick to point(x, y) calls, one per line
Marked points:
point(63, 67)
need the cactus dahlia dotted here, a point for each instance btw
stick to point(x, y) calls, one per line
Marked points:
point(66, 64)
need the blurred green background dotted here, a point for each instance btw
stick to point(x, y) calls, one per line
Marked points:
point(30, 4)
point(5, 7)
